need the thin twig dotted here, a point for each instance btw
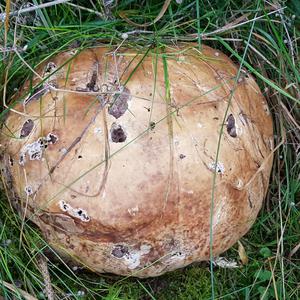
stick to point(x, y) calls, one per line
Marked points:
point(262, 56)
point(226, 27)
point(32, 8)
point(86, 9)
point(43, 266)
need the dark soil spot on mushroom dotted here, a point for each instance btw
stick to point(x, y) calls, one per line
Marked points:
point(28, 190)
point(250, 202)
point(51, 66)
point(231, 129)
point(117, 133)
point(182, 156)
point(152, 125)
point(120, 251)
point(119, 103)
point(22, 159)
point(91, 86)
point(52, 138)
point(26, 128)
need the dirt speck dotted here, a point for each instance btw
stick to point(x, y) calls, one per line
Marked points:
point(51, 67)
point(117, 133)
point(119, 103)
point(28, 190)
point(218, 168)
point(230, 125)
point(152, 125)
point(182, 156)
point(250, 202)
point(22, 159)
point(26, 128)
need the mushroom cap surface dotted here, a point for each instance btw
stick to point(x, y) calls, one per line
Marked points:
point(115, 154)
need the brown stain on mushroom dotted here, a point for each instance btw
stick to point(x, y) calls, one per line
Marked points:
point(230, 126)
point(26, 128)
point(119, 102)
point(117, 133)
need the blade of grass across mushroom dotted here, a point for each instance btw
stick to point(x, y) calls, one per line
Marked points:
point(214, 178)
point(67, 186)
point(169, 116)
point(154, 67)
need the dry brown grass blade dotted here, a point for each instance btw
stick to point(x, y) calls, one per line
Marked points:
point(234, 24)
point(242, 254)
point(7, 10)
point(294, 250)
point(97, 13)
point(24, 294)
point(274, 281)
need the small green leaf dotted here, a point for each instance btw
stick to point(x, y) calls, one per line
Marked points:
point(263, 275)
point(265, 252)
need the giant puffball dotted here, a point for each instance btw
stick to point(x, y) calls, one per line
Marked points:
point(127, 159)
